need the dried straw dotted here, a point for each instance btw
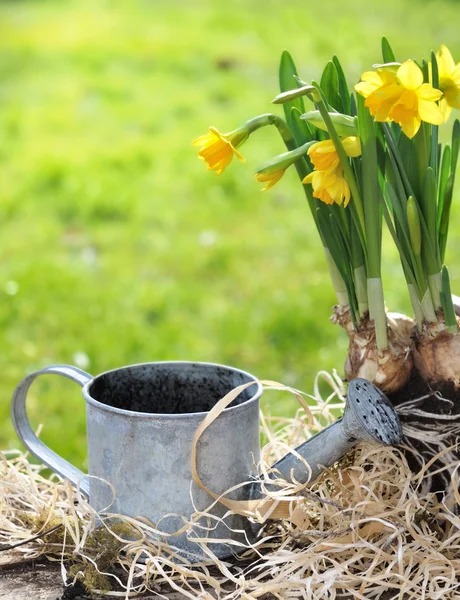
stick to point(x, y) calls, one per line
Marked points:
point(365, 529)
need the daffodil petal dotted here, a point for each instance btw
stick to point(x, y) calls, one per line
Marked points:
point(203, 140)
point(372, 77)
point(410, 75)
point(323, 155)
point(322, 147)
point(427, 92)
point(406, 108)
point(365, 89)
point(352, 146)
point(381, 102)
point(430, 112)
point(238, 155)
point(445, 109)
point(324, 196)
point(445, 62)
point(275, 178)
point(411, 127)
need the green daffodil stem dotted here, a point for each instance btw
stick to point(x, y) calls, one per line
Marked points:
point(278, 122)
point(359, 276)
point(447, 304)
point(415, 237)
point(435, 285)
point(359, 271)
point(337, 280)
point(416, 305)
point(377, 311)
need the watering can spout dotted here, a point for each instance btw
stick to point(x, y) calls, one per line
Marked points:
point(368, 417)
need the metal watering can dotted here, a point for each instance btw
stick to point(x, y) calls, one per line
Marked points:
point(141, 423)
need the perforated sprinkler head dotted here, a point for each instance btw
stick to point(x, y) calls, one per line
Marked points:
point(368, 417)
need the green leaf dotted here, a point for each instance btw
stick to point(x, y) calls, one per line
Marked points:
point(343, 87)
point(425, 70)
point(408, 154)
point(397, 163)
point(444, 173)
point(455, 146)
point(443, 229)
point(434, 71)
point(330, 86)
point(402, 243)
point(301, 129)
point(428, 203)
point(289, 81)
point(413, 220)
point(447, 304)
point(338, 247)
point(435, 149)
point(333, 242)
point(387, 52)
point(353, 107)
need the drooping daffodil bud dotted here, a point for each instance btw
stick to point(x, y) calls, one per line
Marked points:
point(305, 90)
point(390, 66)
point(272, 170)
point(344, 124)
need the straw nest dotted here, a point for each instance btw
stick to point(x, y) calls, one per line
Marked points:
point(363, 530)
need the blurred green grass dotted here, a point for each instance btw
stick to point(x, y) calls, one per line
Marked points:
point(117, 246)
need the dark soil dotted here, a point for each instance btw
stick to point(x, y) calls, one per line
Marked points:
point(417, 388)
point(439, 398)
point(76, 591)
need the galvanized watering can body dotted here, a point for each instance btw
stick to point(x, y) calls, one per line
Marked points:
point(141, 421)
point(146, 455)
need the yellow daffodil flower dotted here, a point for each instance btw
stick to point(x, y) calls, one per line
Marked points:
point(324, 156)
point(381, 90)
point(270, 178)
point(329, 186)
point(449, 81)
point(327, 180)
point(401, 97)
point(272, 170)
point(217, 149)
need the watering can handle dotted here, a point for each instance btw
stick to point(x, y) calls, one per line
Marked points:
point(28, 437)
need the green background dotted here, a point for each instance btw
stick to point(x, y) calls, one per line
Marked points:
point(117, 246)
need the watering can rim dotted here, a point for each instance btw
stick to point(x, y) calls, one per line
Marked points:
point(157, 416)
